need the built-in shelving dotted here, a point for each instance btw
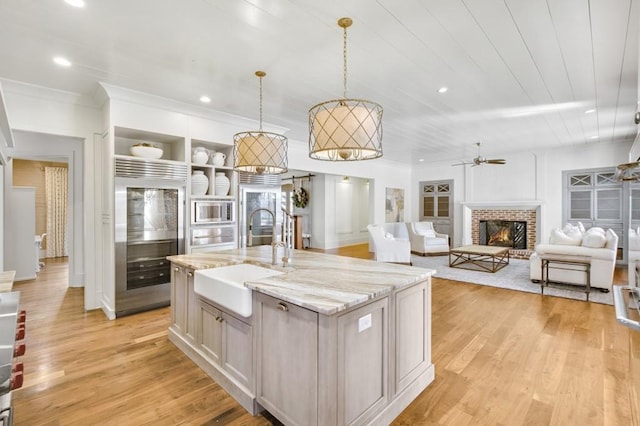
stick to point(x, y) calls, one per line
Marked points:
point(211, 237)
point(173, 147)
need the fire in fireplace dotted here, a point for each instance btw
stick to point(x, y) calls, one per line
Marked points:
point(503, 233)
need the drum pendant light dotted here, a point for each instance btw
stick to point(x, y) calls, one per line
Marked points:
point(345, 129)
point(628, 172)
point(260, 152)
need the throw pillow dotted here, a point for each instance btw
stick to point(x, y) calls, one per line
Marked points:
point(612, 239)
point(428, 233)
point(594, 239)
point(570, 228)
point(558, 236)
point(424, 229)
point(388, 235)
point(596, 229)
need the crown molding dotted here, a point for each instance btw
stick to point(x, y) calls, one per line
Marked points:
point(154, 101)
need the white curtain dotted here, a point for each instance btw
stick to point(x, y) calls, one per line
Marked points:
point(56, 193)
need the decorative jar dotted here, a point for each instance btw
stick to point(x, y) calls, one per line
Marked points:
point(217, 158)
point(222, 184)
point(200, 155)
point(199, 183)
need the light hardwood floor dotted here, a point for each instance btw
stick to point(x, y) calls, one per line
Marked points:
point(501, 357)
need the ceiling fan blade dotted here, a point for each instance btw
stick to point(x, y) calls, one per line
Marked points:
point(496, 161)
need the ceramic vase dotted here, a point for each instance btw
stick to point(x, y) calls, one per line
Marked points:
point(200, 155)
point(199, 183)
point(222, 184)
point(218, 158)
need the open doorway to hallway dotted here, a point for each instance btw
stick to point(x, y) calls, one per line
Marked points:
point(57, 149)
point(49, 178)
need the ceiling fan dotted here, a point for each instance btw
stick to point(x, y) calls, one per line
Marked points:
point(481, 160)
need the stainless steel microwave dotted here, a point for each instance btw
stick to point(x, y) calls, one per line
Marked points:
point(212, 211)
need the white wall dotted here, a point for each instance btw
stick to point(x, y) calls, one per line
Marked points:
point(527, 176)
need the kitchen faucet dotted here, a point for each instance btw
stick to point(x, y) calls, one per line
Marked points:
point(274, 244)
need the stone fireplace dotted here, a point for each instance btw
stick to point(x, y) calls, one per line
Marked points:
point(506, 221)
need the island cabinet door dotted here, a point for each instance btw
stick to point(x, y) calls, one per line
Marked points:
point(179, 297)
point(227, 342)
point(287, 360)
point(211, 332)
point(362, 372)
point(237, 349)
point(411, 355)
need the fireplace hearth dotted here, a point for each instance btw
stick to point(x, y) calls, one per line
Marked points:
point(503, 233)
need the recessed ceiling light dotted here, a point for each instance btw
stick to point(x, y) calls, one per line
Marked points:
point(589, 111)
point(443, 89)
point(75, 3)
point(63, 62)
point(205, 99)
point(421, 160)
point(594, 137)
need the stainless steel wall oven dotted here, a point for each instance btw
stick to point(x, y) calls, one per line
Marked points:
point(149, 226)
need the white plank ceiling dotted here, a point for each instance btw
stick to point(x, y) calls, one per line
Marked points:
point(520, 73)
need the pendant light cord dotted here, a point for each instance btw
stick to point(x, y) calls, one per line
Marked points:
point(344, 57)
point(260, 102)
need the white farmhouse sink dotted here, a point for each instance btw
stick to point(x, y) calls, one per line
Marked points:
point(225, 285)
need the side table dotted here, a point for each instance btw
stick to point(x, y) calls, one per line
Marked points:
point(560, 261)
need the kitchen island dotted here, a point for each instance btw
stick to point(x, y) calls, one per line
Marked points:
point(332, 340)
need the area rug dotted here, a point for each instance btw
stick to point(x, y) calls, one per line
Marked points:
point(514, 276)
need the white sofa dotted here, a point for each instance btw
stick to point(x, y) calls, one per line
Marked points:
point(388, 248)
point(425, 240)
point(601, 248)
point(633, 255)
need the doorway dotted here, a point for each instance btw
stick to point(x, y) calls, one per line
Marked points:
point(60, 149)
point(50, 202)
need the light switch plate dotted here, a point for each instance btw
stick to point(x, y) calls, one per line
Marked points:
point(364, 323)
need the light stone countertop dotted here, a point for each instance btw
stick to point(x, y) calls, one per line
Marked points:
point(323, 283)
point(6, 280)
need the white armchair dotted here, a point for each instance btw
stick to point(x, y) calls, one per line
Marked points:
point(425, 240)
point(387, 248)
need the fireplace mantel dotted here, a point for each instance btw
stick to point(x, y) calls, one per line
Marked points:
point(502, 205)
point(469, 206)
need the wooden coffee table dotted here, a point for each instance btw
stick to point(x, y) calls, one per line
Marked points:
point(479, 258)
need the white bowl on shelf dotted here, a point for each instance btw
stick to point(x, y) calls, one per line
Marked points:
point(146, 151)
